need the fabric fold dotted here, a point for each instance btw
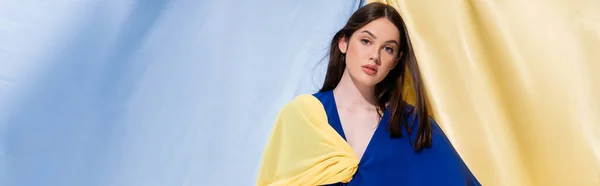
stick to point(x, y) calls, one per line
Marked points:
point(304, 149)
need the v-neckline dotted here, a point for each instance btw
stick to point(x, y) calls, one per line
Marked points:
point(343, 134)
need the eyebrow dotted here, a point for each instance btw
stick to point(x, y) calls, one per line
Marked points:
point(372, 35)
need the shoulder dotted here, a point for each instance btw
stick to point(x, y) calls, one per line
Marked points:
point(302, 102)
point(413, 117)
point(437, 132)
point(439, 139)
point(305, 104)
point(303, 113)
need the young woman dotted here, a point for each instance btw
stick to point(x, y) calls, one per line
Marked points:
point(358, 129)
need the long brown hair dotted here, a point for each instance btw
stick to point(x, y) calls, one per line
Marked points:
point(391, 90)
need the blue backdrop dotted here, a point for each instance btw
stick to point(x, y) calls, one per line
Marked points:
point(152, 93)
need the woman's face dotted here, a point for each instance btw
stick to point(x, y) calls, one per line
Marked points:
point(371, 51)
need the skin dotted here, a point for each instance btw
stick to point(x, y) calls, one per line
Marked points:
point(377, 44)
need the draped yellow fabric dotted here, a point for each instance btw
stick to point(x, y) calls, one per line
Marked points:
point(514, 84)
point(304, 149)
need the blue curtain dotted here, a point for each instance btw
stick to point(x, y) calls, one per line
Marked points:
point(152, 93)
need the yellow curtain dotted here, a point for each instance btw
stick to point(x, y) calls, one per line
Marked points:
point(515, 84)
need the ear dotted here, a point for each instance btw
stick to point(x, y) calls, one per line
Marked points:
point(343, 44)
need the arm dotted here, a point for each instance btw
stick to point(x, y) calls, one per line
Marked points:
point(303, 149)
point(450, 156)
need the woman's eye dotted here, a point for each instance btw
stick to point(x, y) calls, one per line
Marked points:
point(365, 41)
point(389, 49)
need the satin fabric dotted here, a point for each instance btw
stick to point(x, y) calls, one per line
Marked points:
point(514, 84)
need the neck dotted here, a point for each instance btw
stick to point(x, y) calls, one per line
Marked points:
point(353, 94)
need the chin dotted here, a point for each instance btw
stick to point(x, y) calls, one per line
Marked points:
point(366, 80)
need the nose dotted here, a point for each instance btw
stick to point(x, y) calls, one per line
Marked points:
point(375, 56)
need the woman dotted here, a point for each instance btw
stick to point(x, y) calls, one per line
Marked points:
point(358, 129)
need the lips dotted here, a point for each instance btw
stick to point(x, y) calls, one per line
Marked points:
point(370, 69)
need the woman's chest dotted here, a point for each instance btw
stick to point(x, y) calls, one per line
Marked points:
point(388, 160)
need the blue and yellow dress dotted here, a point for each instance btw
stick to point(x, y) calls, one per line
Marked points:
point(307, 147)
